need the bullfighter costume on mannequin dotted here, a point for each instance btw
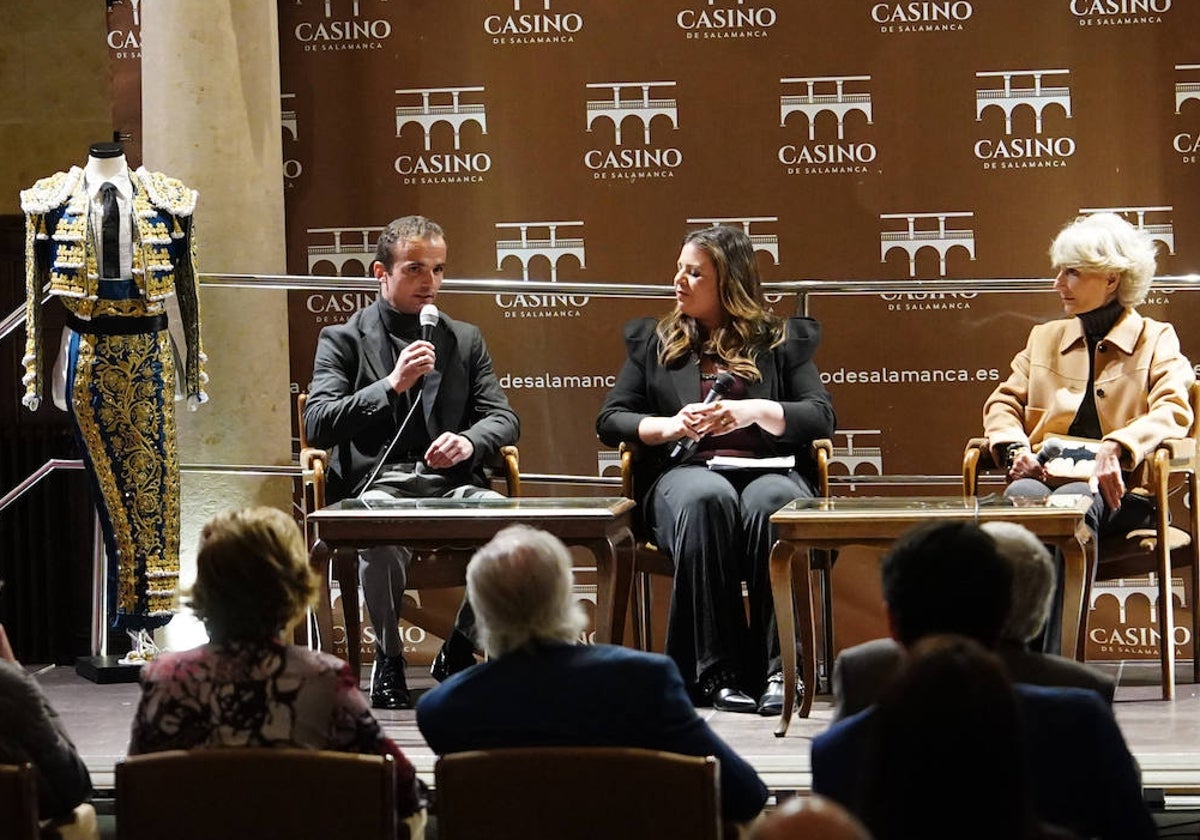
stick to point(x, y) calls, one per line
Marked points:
point(115, 246)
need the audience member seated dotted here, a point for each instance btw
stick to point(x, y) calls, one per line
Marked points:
point(31, 731)
point(248, 687)
point(809, 818)
point(540, 689)
point(1032, 568)
point(949, 578)
point(945, 758)
point(860, 673)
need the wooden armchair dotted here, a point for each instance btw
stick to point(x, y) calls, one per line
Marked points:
point(425, 570)
point(18, 801)
point(257, 792)
point(649, 560)
point(1153, 551)
point(583, 792)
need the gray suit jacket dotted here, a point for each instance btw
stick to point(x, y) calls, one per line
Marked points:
point(862, 672)
point(352, 410)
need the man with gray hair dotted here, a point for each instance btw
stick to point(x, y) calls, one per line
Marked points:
point(861, 672)
point(541, 689)
point(1032, 593)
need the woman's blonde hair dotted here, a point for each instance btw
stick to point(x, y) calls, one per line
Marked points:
point(1106, 243)
point(748, 328)
point(252, 574)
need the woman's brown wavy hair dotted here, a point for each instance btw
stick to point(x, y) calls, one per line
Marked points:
point(748, 328)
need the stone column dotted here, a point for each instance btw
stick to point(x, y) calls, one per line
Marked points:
point(211, 117)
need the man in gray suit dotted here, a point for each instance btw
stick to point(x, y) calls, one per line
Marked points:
point(861, 672)
point(375, 377)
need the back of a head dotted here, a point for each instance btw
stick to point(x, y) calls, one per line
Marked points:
point(520, 585)
point(810, 818)
point(252, 574)
point(946, 577)
point(948, 726)
point(1032, 570)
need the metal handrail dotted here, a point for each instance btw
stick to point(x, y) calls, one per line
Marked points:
point(291, 470)
point(804, 288)
point(36, 476)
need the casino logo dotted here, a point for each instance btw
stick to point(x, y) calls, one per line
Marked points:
point(861, 459)
point(533, 27)
point(1119, 12)
point(340, 252)
point(1012, 93)
point(537, 243)
point(713, 22)
point(439, 111)
point(827, 101)
point(348, 251)
point(1127, 639)
point(922, 231)
point(1187, 143)
point(922, 16)
point(125, 32)
point(642, 103)
point(337, 32)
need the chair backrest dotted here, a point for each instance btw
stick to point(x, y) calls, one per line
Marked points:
point(506, 464)
point(18, 802)
point(577, 792)
point(256, 792)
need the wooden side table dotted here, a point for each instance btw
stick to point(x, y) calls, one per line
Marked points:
point(834, 523)
point(455, 528)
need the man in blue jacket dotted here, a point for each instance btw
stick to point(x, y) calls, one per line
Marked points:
point(540, 689)
point(948, 577)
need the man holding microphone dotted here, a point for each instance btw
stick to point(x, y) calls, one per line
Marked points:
point(407, 411)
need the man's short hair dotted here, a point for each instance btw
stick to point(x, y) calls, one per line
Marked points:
point(404, 229)
point(1032, 571)
point(946, 577)
point(520, 585)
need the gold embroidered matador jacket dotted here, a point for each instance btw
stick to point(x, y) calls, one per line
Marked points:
point(60, 257)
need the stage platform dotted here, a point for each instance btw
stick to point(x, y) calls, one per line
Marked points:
point(1163, 736)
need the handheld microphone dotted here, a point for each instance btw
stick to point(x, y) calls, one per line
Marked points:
point(1051, 448)
point(429, 318)
point(720, 387)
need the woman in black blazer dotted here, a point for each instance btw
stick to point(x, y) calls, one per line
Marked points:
point(715, 524)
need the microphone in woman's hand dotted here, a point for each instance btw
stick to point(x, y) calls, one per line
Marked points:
point(720, 387)
point(1051, 448)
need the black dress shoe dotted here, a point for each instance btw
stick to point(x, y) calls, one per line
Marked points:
point(455, 655)
point(771, 701)
point(732, 700)
point(389, 690)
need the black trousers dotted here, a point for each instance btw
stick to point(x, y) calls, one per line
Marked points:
point(716, 526)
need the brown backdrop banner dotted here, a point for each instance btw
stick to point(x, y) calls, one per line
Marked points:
point(578, 140)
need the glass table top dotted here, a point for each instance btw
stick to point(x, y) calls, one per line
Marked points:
point(934, 505)
point(479, 506)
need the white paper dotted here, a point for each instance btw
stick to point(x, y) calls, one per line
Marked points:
point(729, 462)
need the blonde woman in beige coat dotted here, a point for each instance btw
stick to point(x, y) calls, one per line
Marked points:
point(1103, 373)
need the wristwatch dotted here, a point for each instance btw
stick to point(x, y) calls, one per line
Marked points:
point(1011, 451)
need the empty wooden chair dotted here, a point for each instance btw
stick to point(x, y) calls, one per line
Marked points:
point(256, 792)
point(577, 792)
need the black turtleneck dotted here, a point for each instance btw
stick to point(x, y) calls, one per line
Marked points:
point(403, 329)
point(1096, 324)
point(399, 324)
